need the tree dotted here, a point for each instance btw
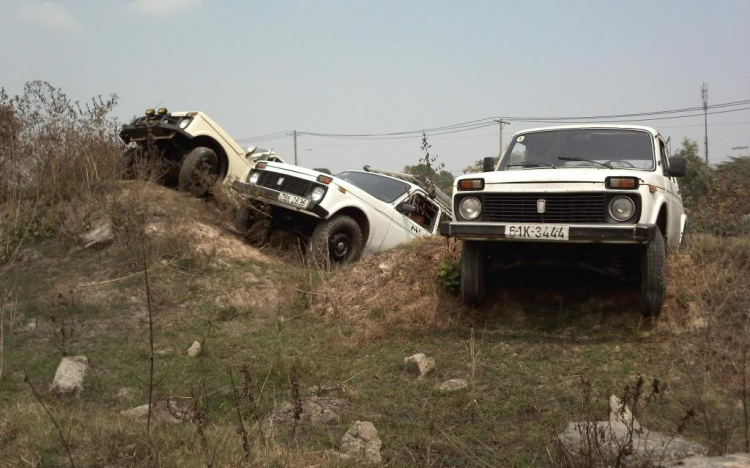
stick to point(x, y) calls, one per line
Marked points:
point(442, 179)
point(323, 170)
point(698, 177)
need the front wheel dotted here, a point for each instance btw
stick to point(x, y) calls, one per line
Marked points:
point(654, 275)
point(336, 241)
point(127, 165)
point(473, 261)
point(199, 170)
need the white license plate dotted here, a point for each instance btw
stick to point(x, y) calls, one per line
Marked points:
point(294, 200)
point(537, 231)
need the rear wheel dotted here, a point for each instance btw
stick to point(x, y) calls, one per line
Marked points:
point(199, 170)
point(654, 275)
point(336, 241)
point(126, 167)
point(473, 263)
point(244, 219)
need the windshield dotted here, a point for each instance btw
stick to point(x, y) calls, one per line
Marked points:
point(575, 148)
point(383, 188)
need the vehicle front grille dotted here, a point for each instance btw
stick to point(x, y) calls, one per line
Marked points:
point(567, 208)
point(289, 184)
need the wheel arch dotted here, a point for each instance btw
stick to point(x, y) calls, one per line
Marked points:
point(208, 142)
point(360, 217)
point(662, 219)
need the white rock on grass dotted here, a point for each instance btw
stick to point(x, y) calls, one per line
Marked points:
point(194, 350)
point(452, 385)
point(99, 236)
point(361, 442)
point(648, 446)
point(737, 460)
point(159, 414)
point(619, 412)
point(419, 365)
point(69, 375)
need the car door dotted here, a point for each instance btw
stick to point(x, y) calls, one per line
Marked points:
point(407, 226)
point(672, 188)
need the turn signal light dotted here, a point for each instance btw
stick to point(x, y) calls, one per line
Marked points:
point(162, 111)
point(192, 114)
point(621, 183)
point(261, 165)
point(149, 112)
point(325, 179)
point(471, 184)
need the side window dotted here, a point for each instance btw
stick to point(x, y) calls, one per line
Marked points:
point(663, 156)
point(427, 212)
point(518, 155)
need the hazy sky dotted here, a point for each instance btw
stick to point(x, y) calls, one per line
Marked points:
point(380, 66)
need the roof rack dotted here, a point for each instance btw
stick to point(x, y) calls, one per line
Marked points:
point(421, 181)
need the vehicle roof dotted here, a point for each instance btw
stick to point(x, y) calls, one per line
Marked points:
point(651, 130)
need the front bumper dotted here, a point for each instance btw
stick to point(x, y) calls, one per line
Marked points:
point(581, 233)
point(271, 196)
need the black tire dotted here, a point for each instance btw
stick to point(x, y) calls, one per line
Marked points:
point(244, 219)
point(654, 275)
point(199, 170)
point(336, 241)
point(473, 272)
point(126, 167)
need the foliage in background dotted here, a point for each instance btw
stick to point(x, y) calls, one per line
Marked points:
point(698, 176)
point(427, 167)
point(449, 273)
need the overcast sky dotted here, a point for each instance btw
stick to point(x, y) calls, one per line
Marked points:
point(381, 66)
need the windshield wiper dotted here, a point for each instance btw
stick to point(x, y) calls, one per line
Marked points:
point(525, 164)
point(565, 158)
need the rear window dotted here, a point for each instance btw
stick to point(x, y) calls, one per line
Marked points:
point(381, 187)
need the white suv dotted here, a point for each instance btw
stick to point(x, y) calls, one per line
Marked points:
point(349, 214)
point(193, 148)
point(599, 196)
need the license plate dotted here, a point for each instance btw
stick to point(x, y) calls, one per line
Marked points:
point(537, 231)
point(294, 200)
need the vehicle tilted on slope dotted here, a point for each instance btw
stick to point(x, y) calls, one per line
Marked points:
point(346, 215)
point(193, 149)
point(601, 196)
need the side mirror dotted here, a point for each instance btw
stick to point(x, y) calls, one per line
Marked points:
point(677, 167)
point(488, 164)
point(406, 208)
point(251, 149)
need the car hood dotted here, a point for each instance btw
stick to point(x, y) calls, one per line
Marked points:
point(541, 176)
point(296, 169)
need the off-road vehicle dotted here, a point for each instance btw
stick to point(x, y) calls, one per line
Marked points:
point(193, 149)
point(346, 215)
point(599, 196)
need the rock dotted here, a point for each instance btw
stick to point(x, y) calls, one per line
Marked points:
point(316, 411)
point(384, 267)
point(100, 236)
point(159, 414)
point(419, 365)
point(452, 385)
point(69, 375)
point(194, 350)
point(125, 393)
point(619, 412)
point(737, 460)
point(361, 442)
point(167, 351)
point(648, 446)
point(29, 327)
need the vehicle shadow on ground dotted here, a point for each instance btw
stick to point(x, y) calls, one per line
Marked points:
point(563, 303)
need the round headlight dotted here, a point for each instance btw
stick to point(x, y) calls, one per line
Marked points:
point(184, 123)
point(621, 208)
point(318, 193)
point(470, 208)
point(253, 179)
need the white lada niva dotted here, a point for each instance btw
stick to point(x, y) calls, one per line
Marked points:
point(603, 197)
point(346, 215)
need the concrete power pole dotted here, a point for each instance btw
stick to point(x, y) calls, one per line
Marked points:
point(296, 163)
point(502, 123)
point(704, 95)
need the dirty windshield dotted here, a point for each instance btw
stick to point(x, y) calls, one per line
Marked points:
point(577, 148)
point(383, 188)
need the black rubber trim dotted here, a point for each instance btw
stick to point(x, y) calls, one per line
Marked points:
point(270, 195)
point(641, 233)
point(156, 129)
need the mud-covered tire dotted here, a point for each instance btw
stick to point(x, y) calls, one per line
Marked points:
point(126, 166)
point(654, 275)
point(473, 272)
point(199, 170)
point(244, 219)
point(336, 241)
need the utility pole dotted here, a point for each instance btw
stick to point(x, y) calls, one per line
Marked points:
point(704, 95)
point(296, 163)
point(502, 123)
